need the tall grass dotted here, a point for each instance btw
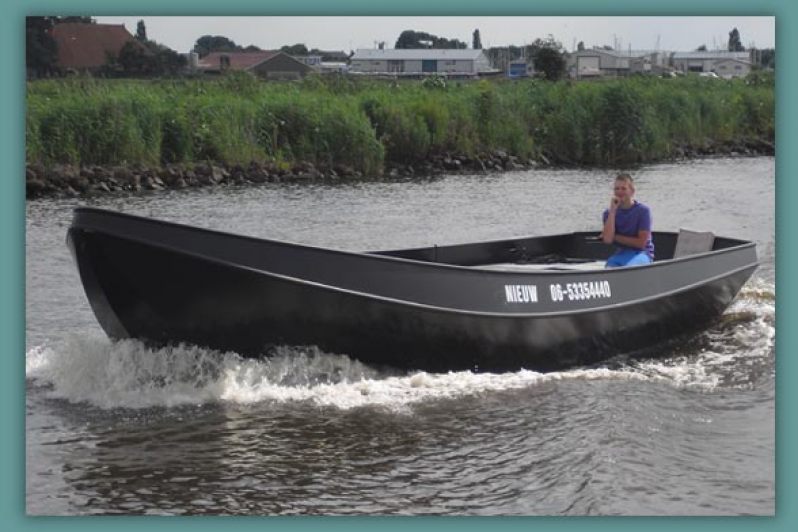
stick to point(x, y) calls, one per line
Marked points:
point(364, 124)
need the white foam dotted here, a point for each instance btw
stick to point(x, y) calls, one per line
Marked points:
point(107, 374)
point(129, 374)
point(745, 338)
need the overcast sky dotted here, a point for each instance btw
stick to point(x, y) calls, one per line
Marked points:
point(351, 33)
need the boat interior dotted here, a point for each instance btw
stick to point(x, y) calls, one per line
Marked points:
point(583, 250)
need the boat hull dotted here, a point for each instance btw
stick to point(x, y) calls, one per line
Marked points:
point(162, 295)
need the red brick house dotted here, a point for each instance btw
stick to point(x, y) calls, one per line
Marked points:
point(86, 47)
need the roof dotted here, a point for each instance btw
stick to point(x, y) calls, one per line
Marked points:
point(716, 55)
point(732, 60)
point(624, 54)
point(238, 60)
point(398, 54)
point(82, 45)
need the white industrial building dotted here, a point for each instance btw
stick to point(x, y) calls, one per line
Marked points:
point(599, 62)
point(421, 61)
point(724, 64)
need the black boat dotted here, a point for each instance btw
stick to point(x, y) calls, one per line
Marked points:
point(540, 303)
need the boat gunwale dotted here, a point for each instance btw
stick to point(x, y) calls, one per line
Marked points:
point(447, 310)
point(378, 254)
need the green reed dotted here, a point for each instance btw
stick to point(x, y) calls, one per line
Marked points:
point(365, 124)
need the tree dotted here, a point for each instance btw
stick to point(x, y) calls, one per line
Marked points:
point(215, 43)
point(420, 39)
point(548, 58)
point(767, 58)
point(763, 57)
point(135, 59)
point(295, 49)
point(702, 48)
point(735, 45)
point(148, 59)
point(141, 31)
point(252, 48)
point(581, 46)
point(82, 20)
point(477, 41)
point(165, 60)
point(41, 50)
point(407, 39)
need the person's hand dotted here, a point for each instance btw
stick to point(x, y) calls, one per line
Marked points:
point(614, 202)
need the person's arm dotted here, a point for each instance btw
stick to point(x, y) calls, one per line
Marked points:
point(608, 233)
point(637, 242)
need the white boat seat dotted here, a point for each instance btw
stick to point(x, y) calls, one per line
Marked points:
point(693, 242)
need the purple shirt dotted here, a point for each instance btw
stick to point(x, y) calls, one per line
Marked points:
point(629, 222)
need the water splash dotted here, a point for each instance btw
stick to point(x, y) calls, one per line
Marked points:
point(129, 374)
point(735, 353)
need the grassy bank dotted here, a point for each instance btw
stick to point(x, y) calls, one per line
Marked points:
point(366, 125)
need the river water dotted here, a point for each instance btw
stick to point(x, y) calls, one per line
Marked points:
point(688, 429)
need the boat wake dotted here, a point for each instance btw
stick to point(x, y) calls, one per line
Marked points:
point(736, 353)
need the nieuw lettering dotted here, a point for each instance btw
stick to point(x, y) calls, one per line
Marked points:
point(521, 293)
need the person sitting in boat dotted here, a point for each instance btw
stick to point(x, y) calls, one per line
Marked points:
point(627, 224)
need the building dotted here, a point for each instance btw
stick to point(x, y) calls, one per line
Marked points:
point(84, 47)
point(326, 61)
point(192, 61)
point(423, 61)
point(267, 65)
point(333, 67)
point(599, 62)
point(710, 61)
point(313, 61)
point(732, 68)
point(520, 69)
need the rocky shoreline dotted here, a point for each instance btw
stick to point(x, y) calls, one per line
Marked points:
point(63, 180)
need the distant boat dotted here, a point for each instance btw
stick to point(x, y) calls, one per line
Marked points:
point(540, 303)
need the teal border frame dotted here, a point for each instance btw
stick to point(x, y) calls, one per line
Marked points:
point(12, 258)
